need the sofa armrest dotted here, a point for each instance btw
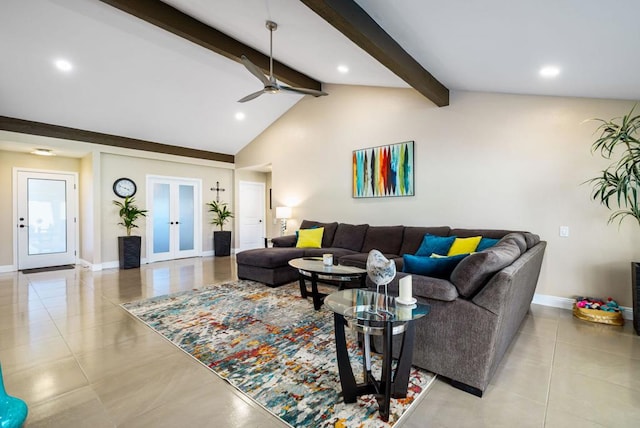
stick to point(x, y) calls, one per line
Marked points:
point(285, 241)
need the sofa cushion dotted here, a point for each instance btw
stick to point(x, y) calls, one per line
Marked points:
point(413, 237)
point(518, 238)
point(435, 244)
point(268, 257)
point(310, 238)
point(386, 239)
point(487, 233)
point(360, 260)
point(436, 267)
point(476, 269)
point(486, 243)
point(336, 252)
point(424, 287)
point(531, 238)
point(285, 241)
point(464, 245)
point(350, 236)
point(329, 230)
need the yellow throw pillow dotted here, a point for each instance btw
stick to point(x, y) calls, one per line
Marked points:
point(310, 238)
point(464, 245)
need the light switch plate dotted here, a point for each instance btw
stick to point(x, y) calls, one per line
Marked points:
point(564, 231)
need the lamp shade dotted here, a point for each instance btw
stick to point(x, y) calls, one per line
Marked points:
point(283, 212)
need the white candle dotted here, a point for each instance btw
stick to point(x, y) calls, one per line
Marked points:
point(405, 288)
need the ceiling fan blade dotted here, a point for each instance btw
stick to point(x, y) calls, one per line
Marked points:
point(253, 69)
point(251, 96)
point(303, 91)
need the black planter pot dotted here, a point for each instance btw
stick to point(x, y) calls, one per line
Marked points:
point(222, 243)
point(635, 285)
point(129, 251)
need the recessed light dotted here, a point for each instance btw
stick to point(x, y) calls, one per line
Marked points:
point(43, 152)
point(343, 69)
point(240, 115)
point(63, 65)
point(549, 71)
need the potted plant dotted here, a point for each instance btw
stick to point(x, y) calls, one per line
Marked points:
point(619, 183)
point(221, 238)
point(129, 246)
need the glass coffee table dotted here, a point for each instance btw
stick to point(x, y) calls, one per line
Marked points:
point(370, 314)
point(314, 269)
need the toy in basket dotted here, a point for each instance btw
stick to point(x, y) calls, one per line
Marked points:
point(596, 310)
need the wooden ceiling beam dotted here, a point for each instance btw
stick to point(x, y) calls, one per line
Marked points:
point(352, 21)
point(55, 131)
point(171, 19)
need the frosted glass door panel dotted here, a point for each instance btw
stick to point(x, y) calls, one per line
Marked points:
point(177, 219)
point(47, 216)
point(161, 218)
point(186, 222)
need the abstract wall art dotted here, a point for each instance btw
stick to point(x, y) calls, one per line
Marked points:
point(383, 171)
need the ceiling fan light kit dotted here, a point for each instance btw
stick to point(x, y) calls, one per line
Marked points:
point(271, 85)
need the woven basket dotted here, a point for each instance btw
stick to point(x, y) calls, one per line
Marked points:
point(596, 315)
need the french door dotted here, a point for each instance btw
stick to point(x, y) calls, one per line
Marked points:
point(175, 224)
point(46, 204)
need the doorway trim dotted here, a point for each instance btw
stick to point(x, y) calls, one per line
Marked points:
point(14, 214)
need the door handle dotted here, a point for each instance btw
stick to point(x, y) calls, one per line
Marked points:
point(21, 226)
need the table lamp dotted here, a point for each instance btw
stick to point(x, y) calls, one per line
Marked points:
point(283, 213)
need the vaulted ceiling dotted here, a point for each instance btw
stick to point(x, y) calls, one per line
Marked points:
point(133, 79)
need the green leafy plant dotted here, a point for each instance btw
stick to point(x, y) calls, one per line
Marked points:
point(221, 213)
point(129, 213)
point(620, 181)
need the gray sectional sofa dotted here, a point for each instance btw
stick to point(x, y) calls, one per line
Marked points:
point(475, 312)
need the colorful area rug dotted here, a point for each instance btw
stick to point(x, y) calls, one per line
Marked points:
point(271, 345)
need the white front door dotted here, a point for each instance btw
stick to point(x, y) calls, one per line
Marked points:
point(252, 213)
point(174, 220)
point(46, 205)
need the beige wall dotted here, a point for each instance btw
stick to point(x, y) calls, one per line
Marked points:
point(114, 166)
point(9, 160)
point(485, 161)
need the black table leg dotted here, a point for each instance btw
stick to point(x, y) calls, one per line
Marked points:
point(317, 299)
point(347, 380)
point(303, 287)
point(384, 399)
point(403, 369)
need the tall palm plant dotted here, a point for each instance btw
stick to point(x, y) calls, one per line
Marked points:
point(620, 181)
point(129, 213)
point(221, 213)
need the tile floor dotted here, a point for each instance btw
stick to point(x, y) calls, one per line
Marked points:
point(79, 360)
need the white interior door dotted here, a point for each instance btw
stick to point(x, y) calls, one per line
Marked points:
point(175, 223)
point(252, 213)
point(46, 205)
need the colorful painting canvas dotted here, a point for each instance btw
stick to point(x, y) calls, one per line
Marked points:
point(383, 171)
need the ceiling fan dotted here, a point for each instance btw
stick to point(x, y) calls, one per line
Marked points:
point(271, 86)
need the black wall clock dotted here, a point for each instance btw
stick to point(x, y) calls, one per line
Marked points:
point(124, 187)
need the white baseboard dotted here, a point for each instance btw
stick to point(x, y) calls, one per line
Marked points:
point(8, 268)
point(567, 303)
point(91, 266)
point(111, 265)
point(207, 253)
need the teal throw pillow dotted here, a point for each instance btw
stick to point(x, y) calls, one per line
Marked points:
point(436, 267)
point(486, 243)
point(435, 244)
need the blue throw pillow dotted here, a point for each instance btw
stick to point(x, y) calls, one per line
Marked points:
point(486, 243)
point(440, 267)
point(435, 244)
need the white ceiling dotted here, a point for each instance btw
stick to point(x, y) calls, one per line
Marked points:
point(136, 80)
